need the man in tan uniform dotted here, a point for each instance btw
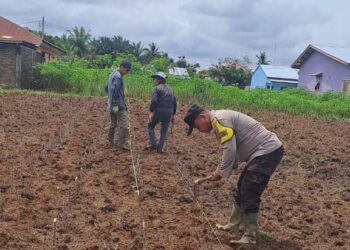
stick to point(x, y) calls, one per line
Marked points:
point(242, 139)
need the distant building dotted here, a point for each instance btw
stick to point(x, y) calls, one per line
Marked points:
point(20, 50)
point(324, 68)
point(181, 72)
point(274, 77)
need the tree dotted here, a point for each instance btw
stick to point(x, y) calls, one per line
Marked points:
point(121, 45)
point(262, 58)
point(161, 63)
point(182, 63)
point(102, 45)
point(137, 50)
point(231, 71)
point(79, 39)
point(151, 52)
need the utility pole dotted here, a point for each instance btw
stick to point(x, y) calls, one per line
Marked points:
point(42, 27)
point(274, 53)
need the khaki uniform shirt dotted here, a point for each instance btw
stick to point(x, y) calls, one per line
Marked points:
point(242, 139)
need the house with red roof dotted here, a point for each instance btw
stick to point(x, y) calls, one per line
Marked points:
point(20, 50)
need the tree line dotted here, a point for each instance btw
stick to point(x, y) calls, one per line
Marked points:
point(78, 43)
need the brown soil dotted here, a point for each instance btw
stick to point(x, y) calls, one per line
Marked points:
point(62, 187)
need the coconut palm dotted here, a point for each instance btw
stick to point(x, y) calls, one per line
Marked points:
point(137, 50)
point(79, 39)
point(152, 50)
point(120, 44)
point(102, 45)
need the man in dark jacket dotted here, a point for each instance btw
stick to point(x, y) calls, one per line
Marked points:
point(163, 108)
point(116, 106)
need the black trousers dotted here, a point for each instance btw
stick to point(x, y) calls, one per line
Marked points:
point(254, 179)
point(163, 116)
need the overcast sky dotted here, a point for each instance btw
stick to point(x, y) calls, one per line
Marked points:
point(201, 30)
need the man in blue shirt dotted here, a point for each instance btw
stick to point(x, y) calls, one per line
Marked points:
point(116, 106)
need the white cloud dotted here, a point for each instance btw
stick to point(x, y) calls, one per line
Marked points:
point(200, 30)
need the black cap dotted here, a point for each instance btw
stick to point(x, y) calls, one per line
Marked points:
point(126, 64)
point(191, 116)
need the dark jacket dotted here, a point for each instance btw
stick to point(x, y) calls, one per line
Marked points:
point(116, 96)
point(163, 97)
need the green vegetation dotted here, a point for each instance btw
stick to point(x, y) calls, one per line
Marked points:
point(264, 235)
point(80, 78)
point(75, 77)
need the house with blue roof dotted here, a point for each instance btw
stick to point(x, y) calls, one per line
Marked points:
point(324, 68)
point(274, 77)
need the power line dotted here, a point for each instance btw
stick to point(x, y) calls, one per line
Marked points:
point(57, 26)
point(34, 21)
point(43, 24)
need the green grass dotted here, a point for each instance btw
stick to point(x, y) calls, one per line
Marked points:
point(5, 90)
point(212, 95)
point(76, 78)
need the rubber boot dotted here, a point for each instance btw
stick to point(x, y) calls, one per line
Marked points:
point(235, 220)
point(250, 222)
point(111, 136)
point(123, 132)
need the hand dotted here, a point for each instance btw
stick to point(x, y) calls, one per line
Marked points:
point(201, 180)
point(213, 177)
point(150, 118)
point(198, 181)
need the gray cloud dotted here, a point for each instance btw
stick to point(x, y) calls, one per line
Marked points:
point(200, 30)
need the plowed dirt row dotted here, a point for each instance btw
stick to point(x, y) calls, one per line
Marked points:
point(61, 187)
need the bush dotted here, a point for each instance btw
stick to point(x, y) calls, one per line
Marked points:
point(73, 77)
point(78, 78)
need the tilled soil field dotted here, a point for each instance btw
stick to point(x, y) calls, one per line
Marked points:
point(62, 187)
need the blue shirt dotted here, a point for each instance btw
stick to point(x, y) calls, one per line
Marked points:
point(116, 96)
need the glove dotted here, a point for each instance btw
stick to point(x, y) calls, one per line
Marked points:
point(115, 109)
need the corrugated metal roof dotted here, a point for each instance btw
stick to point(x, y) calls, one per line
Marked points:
point(178, 71)
point(280, 72)
point(13, 32)
point(339, 54)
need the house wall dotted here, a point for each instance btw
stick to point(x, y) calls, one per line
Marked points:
point(8, 65)
point(333, 73)
point(259, 79)
point(16, 64)
point(29, 58)
point(282, 85)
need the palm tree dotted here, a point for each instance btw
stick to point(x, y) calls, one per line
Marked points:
point(102, 46)
point(120, 44)
point(137, 50)
point(262, 58)
point(79, 39)
point(152, 50)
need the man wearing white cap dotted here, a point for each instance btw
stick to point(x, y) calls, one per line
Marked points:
point(163, 108)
